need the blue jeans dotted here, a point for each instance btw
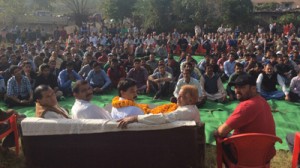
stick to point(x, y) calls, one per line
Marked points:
point(272, 95)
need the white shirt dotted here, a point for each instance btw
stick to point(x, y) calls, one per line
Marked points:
point(279, 80)
point(189, 112)
point(85, 110)
point(182, 82)
point(94, 40)
point(119, 113)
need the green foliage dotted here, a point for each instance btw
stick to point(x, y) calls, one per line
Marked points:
point(44, 4)
point(182, 14)
point(289, 18)
point(266, 6)
point(118, 9)
point(79, 10)
point(238, 12)
point(12, 9)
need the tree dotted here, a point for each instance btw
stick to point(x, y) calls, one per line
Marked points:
point(43, 4)
point(118, 9)
point(238, 12)
point(79, 9)
point(12, 9)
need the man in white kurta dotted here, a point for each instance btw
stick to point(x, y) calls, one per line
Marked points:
point(82, 108)
point(187, 110)
point(127, 91)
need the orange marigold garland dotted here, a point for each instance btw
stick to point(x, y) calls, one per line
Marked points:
point(166, 108)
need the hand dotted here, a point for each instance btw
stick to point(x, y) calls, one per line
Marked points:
point(224, 98)
point(287, 98)
point(127, 120)
point(156, 80)
point(23, 101)
point(72, 78)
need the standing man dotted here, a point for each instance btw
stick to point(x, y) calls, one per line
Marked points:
point(82, 108)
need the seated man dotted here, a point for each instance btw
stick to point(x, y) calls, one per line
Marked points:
point(46, 78)
point(19, 92)
point(229, 65)
point(159, 82)
point(186, 110)
point(127, 89)
point(238, 69)
point(266, 84)
point(252, 115)
point(152, 62)
point(139, 74)
point(98, 79)
point(284, 69)
point(115, 72)
point(212, 86)
point(66, 77)
point(46, 103)
point(294, 94)
point(83, 108)
point(188, 80)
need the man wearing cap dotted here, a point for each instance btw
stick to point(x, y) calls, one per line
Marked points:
point(252, 115)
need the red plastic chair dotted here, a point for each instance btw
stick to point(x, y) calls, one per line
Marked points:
point(296, 150)
point(250, 150)
point(12, 120)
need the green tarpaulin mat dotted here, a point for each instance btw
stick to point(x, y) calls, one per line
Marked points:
point(286, 114)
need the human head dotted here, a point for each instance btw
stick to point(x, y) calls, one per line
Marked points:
point(137, 63)
point(161, 68)
point(231, 57)
point(127, 89)
point(268, 69)
point(151, 57)
point(245, 87)
point(238, 68)
point(186, 74)
point(114, 63)
point(285, 59)
point(188, 95)
point(97, 66)
point(52, 63)
point(70, 66)
point(82, 90)
point(44, 69)
point(26, 66)
point(45, 96)
point(209, 69)
point(15, 71)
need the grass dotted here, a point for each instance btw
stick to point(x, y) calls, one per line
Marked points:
point(283, 159)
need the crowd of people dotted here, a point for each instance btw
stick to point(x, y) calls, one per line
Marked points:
point(91, 61)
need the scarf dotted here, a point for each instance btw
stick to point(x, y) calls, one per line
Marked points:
point(165, 108)
point(40, 110)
